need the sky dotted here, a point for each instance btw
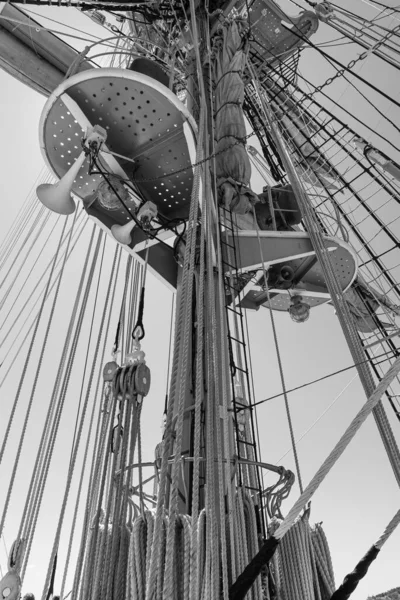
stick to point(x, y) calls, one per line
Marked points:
point(360, 495)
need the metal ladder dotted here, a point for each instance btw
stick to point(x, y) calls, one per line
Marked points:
point(239, 370)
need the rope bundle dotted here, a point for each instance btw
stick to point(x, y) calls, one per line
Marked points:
point(302, 565)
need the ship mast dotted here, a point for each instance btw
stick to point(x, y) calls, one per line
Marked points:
point(212, 519)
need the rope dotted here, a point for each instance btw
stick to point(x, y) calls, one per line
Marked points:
point(83, 415)
point(24, 370)
point(114, 271)
point(44, 467)
point(289, 418)
point(341, 307)
point(245, 580)
point(352, 580)
point(180, 331)
point(36, 486)
point(139, 331)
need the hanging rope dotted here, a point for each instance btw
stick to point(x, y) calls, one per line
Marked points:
point(335, 291)
point(40, 471)
point(24, 370)
point(245, 580)
point(138, 332)
point(289, 418)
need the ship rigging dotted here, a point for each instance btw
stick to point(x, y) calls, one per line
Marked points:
point(190, 156)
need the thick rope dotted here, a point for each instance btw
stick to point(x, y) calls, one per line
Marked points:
point(245, 580)
point(183, 302)
point(352, 580)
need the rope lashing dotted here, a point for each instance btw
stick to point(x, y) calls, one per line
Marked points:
point(243, 583)
point(352, 580)
point(138, 332)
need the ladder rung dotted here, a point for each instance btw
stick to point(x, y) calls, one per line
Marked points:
point(226, 244)
point(236, 403)
point(236, 340)
point(224, 262)
point(237, 312)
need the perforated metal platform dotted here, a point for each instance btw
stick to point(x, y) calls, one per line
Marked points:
point(292, 249)
point(152, 131)
point(145, 123)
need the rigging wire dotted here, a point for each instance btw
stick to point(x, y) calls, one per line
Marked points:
point(352, 115)
point(77, 235)
point(328, 376)
point(89, 340)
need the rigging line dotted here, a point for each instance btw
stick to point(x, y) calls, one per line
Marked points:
point(384, 6)
point(343, 147)
point(310, 97)
point(300, 387)
point(367, 28)
point(22, 379)
point(347, 68)
point(303, 435)
point(32, 324)
point(245, 580)
point(340, 73)
point(99, 446)
point(48, 436)
point(62, 401)
point(108, 306)
point(15, 234)
point(42, 212)
point(88, 350)
point(54, 31)
point(23, 264)
point(289, 418)
point(169, 352)
point(29, 299)
point(43, 16)
point(21, 213)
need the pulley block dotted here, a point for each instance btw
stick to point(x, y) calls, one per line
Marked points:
point(142, 379)
point(109, 370)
